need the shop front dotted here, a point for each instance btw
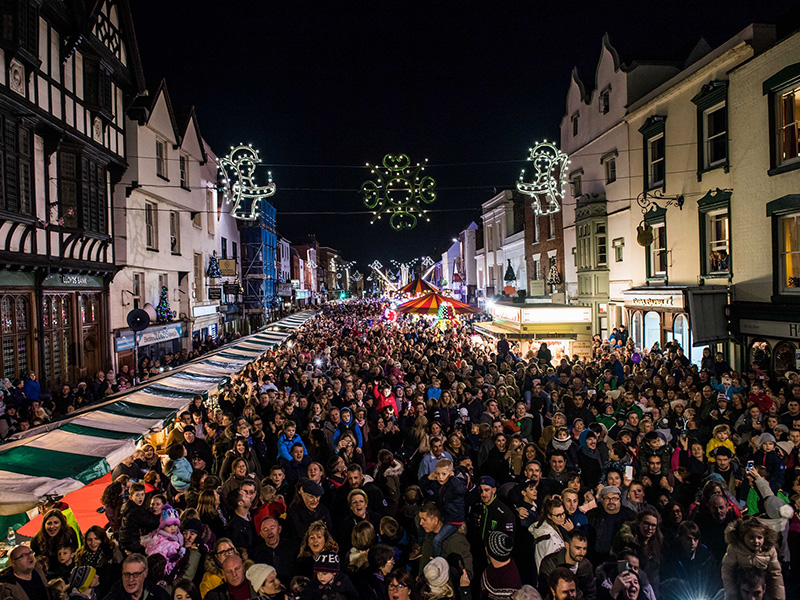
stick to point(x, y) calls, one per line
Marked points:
point(769, 335)
point(206, 322)
point(658, 315)
point(154, 342)
point(567, 330)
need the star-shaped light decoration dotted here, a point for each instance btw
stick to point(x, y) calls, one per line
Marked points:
point(398, 189)
point(549, 182)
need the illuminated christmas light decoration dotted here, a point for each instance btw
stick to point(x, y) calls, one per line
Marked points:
point(427, 262)
point(238, 186)
point(164, 314)
point(213, 270)
point(548, 186)
point(357, 276)
point(399, 190)
point(376, 264)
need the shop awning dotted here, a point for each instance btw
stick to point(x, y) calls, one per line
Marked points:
point(495, 330)
point(63, 456)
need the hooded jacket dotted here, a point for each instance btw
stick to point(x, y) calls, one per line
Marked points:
point(739, 556)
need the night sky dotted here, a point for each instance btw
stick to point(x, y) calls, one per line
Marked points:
point(320, 88)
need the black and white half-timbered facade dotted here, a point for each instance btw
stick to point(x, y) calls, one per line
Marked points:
point(68, 71)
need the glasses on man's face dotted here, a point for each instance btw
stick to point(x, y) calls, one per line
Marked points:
point(133, 574)
point(227, 552)
point(397, 586)
point(24, 555)
point(558, 515)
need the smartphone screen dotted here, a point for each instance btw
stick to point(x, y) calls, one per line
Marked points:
point(629, 472)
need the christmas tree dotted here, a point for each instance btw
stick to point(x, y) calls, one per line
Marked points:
point(163, 312)
point(213, 267)
point(510, 275)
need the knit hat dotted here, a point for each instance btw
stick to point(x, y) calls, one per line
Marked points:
point(437, 574)
point(81, 579)
point(258, 574)
point(327, 562)
point(195, 525)
point(169, 516)
point(499, 545)
point(766, 438)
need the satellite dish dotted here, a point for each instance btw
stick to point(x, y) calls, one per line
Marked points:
point(151, 311)
point(644, 235)
point(138, 320)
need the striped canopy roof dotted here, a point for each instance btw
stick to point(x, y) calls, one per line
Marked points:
point(429, 305)
point(61, 457)
point(418, 286)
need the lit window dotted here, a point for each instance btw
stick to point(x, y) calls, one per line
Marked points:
point(657, 252)
point(789, 253)
point(789, 146)
point(718, 243)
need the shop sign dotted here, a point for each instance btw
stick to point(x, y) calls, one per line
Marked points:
point(296, 284)
point(773, 329)
point(215, 293)
point(231, 288)
point(204, 311)
point(227, 267)
point(148, 337)
point(212, 330)
point(557, 314)
point(582, 348)
point(300, 294)
point(69, 280)
point(285, 289)
point(505, 313)
point(665, 301)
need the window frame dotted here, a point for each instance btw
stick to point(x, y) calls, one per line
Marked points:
point(551, 226)
point(162, 168)
point(598, 236)
point(151, 226)
point(175, 232)
point(604, 101)
point(658, 221)
point(774, 87)
point(574, 121)
point(619, 249)
point(712, 96)
point(653, 129)
point(137, 289)
point(183, 165)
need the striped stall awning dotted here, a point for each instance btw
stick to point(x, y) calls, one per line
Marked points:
point(85, 447)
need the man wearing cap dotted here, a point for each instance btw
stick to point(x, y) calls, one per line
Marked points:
point(605, 521)
point(273, 549)
point(490, 514)
point(501, 578)
point(197, 448)
point(573, 557)
point(307, 510)
point(23, 579)
point(236, 586)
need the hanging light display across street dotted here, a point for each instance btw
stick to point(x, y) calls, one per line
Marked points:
point(398, 190)
point(547, 186)
point(238, 185)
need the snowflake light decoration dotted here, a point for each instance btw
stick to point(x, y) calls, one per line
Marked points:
point(399, 190)
point(549, 182)
point(427, 262)
point(238, 184)
point(357, 276)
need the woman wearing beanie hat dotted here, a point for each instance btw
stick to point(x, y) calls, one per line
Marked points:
point(265, 582)
point(437, 580)
point(82, 583)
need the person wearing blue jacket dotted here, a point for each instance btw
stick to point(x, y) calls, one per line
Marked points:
point(287, 439)
point(449, 492)
point(348, 423)
point(31, 387)
point(179, 470)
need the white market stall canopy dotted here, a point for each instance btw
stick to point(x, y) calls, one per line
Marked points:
point(80, 449)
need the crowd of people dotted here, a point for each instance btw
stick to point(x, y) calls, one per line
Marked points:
point(402, 460)
point(24, 404)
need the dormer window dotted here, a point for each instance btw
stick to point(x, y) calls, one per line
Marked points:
point(605, 101)
point(574, 119)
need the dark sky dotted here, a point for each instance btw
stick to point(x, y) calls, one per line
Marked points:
point(342, 83)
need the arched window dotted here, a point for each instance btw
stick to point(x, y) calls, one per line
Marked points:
point(652, 329)
point(784, 358)
point(680, 332)
point(636, 327)
point(760, 354)
point(15, 332)
point(56, 337)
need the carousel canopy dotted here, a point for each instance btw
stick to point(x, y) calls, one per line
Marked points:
point(418, 286)
point(429, 305)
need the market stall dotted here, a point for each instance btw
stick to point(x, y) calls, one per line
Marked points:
point(566, 329)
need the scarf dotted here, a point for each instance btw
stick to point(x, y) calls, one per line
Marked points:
point(562, 444)
point(93, 559)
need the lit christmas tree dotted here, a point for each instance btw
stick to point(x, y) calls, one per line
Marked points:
point(213, 271)
point(164, 314)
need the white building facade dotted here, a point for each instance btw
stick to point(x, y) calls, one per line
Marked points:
point(503, 245)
